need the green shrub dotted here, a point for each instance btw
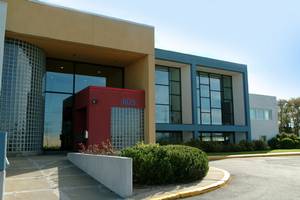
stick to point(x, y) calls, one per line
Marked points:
point(274, 143)
point(155, 164)
point(231, 148)
point(287, 143)
point(259, 145)
point(246, 145)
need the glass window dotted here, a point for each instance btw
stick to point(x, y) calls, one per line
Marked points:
point(176, 117)
point(215, 99)
point(168, 94)
point(204, 89)
point(205, 118)
point(170, 137)
point(260, 114)
point(162, 114)
point(53, 117)
point(205, 137)
point(161, 76)
point(162, 94)
point(97, 75)
point(175, 103)
point(227, 81)
point(205, 105)
point(174, 74)
point(227, 93)
point(268, 114)
point(204, 79)
point(219, 96)
point(215, 84)
point(83, 81)
point(216, 116)
point(59, 76)
point(175, 88)
point(218, 137)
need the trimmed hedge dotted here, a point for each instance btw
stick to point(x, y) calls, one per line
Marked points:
point(155, 164)
point(215, 147)
point(285, 141)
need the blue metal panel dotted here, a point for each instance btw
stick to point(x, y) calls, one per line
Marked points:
point(3, 140)
point(175, 127)
point(209, 62)
point(247, 105)
point(222, 128)
point(194, 99)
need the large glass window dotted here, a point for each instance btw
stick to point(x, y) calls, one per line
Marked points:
point(53, 118)
point(168, 95)
point(59, 76)
point(226, 137)
point(214, 99)
point(168, 137)
point(63, 79)
point(260, 114)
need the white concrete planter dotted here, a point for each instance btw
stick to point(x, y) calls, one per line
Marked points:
point(112, 171)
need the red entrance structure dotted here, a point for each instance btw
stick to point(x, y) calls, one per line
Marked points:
point(102, 113)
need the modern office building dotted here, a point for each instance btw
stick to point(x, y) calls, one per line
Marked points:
point(50, 54)
point(264, 117)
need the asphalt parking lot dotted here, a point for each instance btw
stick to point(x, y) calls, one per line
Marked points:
point(268, 178)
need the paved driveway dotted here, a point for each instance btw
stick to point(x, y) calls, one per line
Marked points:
point(269, 178)
point(51, 178)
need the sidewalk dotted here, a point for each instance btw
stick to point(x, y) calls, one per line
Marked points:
point(212, 158)
point(51, 178)
point(213, 180)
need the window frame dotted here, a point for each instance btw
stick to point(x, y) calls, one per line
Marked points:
point(169, 85)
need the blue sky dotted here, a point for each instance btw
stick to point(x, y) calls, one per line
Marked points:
point(265, 35)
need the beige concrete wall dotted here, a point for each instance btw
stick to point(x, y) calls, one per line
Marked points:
point(238, 99)
point(186, 89)
point(237, 90)
point(37, 19)
point(140, 75)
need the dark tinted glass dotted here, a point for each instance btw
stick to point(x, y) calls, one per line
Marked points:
point(59, 76)
point(175, 103)
point(175, 87)
point(53, 118)
point(174, 74)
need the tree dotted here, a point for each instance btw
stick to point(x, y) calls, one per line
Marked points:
point(283, 116)
point(289, 115)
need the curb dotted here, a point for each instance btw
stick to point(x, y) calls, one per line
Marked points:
point(213, 158)
point(198, 191)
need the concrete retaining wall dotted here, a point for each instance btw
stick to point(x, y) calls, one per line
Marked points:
point(112, 171)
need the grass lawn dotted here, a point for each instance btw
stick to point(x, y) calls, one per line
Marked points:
point(253, 152)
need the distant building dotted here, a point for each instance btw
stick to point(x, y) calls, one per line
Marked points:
point(264, 117)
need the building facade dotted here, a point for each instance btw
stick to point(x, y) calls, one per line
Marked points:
point(264, 117)
point(49, 58)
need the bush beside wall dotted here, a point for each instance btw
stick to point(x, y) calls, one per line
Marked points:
point(215, 147)
point(156, 164)
point(285, 141)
